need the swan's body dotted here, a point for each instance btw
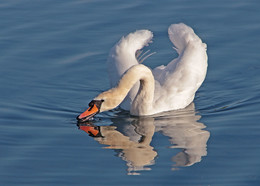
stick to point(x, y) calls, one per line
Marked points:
point(146, 92)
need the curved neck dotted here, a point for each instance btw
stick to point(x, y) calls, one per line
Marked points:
point(143, 102)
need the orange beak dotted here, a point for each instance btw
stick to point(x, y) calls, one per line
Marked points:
point(89, 113)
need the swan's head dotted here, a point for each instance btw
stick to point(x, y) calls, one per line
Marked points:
point(103, 102)
point(94, 108)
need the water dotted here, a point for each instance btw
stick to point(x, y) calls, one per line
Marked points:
point(52, 64)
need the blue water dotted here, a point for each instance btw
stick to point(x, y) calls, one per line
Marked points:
point(52, 57)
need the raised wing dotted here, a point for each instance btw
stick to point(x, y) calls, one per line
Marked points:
point(123, 56)
point(177, 82)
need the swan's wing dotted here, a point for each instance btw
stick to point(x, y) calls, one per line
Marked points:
point(177, 82)
point(123, 56)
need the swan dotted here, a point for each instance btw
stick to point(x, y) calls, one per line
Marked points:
point(143, 91)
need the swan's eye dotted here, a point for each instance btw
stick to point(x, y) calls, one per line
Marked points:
point(91, 104)
point(96, 103)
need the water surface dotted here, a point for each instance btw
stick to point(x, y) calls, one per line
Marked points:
point(53, 56)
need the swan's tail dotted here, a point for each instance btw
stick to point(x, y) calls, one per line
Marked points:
point(181, 34)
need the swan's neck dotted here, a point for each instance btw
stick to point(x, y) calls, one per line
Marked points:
point(143, 102)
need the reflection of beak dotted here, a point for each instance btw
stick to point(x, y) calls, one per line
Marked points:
point(93, 131)
point(89, 113)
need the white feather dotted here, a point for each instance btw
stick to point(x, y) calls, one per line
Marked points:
point(123, 56)
point(176, 83)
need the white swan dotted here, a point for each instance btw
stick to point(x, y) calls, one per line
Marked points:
point(147, 92)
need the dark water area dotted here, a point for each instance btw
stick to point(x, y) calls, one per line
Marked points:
point(53, 62)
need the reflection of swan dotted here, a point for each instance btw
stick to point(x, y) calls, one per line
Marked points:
point(185, 132)
point(135, 144)
point(165, 88)
point(132, 139)
point(133, 136)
